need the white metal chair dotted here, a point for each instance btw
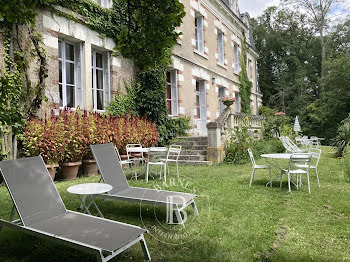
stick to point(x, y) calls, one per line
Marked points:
point(316, 155)
point(156, 158)
point(136, 155)
point(173, 157)
point(255, 166)
point(129, 162)
point(299, 164)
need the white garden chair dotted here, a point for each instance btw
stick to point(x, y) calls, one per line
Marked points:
point(173, 157)
point(316, 155)
point(255, 166)
point(156, 157)
point(299, 164)
point(129, 162)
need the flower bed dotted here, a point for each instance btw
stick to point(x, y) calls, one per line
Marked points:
point(67, 136)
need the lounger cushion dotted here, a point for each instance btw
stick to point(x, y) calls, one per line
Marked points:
point(105, 234)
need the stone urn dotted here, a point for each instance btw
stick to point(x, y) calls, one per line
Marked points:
point(228, 103)
point(69, 170)
point(90, 167)
point(52, 170)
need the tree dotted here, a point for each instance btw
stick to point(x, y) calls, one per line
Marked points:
point(324, 114)
point(319, 12)
point(289, 60)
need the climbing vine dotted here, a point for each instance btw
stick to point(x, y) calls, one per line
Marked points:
point(245, 86)
point(143, 31)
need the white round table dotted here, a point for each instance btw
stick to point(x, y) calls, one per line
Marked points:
point(89, 190)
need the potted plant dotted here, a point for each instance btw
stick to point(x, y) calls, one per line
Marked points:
point(74, 141)
point(228, 101)
point(90, 167)
point(43, 138)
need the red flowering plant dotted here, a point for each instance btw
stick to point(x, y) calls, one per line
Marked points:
point(45, 138)
point(67, 137)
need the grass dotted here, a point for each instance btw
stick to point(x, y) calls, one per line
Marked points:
point(242, 224)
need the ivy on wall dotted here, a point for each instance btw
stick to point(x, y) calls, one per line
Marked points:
point(245, 85)
point(143, 31)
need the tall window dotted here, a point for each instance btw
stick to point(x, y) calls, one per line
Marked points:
point(221, 54)
point(198, 23)
point(238, 102)
point(236, 58)
point(198, 108)
point(69, 73)
point(171, 92)
point(100, 80)
point(221, 95)
point(249, 69)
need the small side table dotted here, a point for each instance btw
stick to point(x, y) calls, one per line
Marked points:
point(83, 191)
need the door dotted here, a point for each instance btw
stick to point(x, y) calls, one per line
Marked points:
point(201, 108)
point(221, 95)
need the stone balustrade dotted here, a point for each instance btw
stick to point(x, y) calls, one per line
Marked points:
point(219, 131)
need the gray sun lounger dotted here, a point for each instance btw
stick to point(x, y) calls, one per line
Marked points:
point(112, 173)
point(42, 213)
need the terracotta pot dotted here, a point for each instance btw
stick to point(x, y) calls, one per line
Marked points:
point(52, 170)
point(69, 170)
point(124, 157)
point(90, 167)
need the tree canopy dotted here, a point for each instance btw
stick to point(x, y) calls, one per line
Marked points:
point(290, 66)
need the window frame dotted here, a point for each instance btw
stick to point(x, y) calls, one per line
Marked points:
point(199, 33)
point(105, 78)
point(221, 48)
point(173, 92)
point(236, 58)
point(62, 46)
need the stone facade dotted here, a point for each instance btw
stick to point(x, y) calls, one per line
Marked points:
point(218, 79)
point(199, 76)
point(56, 28)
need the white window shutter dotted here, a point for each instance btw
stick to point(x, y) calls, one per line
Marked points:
point(107, 82)
point(78, 50)
point(174, 93)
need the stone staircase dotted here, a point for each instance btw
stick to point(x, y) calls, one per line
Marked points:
point(194, 150)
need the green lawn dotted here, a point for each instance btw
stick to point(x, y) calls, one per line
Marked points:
point(242, 224)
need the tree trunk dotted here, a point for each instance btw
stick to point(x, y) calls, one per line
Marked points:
point(323, 53)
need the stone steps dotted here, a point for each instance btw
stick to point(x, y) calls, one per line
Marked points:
point(195, 163)
point(194, 150)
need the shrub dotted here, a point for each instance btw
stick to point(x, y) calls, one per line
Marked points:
point(342, 140)
point(172, 128)
point(124, 103)
point(346, 164)
point(67, 137)
point(240, 141)
point(276, 123)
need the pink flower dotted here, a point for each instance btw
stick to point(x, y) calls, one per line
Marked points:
point(280, 114)
point(227, 98)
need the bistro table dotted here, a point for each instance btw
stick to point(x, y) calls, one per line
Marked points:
point(272, 159)
point(89, 190)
